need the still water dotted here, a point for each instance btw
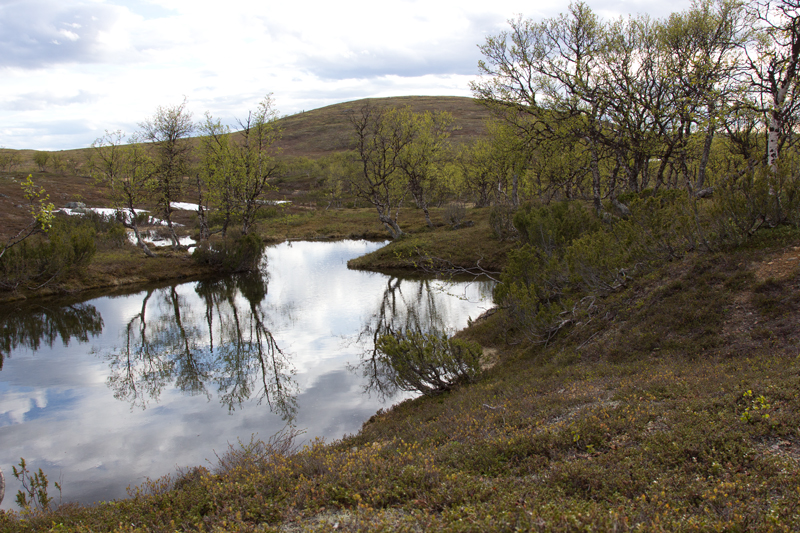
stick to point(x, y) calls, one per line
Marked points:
point(106, 392)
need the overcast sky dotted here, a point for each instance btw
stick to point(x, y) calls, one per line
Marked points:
point(70, 69)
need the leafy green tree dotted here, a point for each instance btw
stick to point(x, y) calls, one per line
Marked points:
point(41, 213)
point(237, 168)
point(9, 159)
point(702, 75)
point(479, 171)
point(215, 175)
point(58, 163)
point(540, 74)
point(623, 94)
point(41, 159)
point(334, 170)
point(423, 160)
point(128, 171)
point(255, 162)
point(380, 136)
point(167, 131)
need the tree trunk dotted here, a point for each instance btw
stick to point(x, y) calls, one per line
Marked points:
point(515, 189)
point(389, 223)
point(701, 171)
point(172, 235)
point(135, 227)
point(596, 194)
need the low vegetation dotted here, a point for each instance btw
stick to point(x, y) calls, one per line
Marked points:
point(674, 407)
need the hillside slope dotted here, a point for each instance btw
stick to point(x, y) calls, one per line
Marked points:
point(327, 130)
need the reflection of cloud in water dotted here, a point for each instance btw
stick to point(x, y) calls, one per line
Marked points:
point(16, 404)
point(335, 404)
point(59, 413)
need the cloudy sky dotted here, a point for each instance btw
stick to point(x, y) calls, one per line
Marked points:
point(71, 69)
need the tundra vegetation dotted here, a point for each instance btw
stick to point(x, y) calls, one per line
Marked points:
point(636, 194)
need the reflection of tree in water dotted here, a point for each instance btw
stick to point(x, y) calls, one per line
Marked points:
point(229, 346)
point(417, 309)
point(30, 327)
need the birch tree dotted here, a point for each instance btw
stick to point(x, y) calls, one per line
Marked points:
point(423, 158)
point(379, 138)
point(167, 131)
point(128, 172)
point(773, 59)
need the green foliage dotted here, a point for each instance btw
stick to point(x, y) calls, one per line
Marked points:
point(127, 170)
point(535, 290)
point(33, 496)
point(41, 159)
point(571, 258)
point(41, 208)
point(9, 159)
point(501, 220)
point(755, 407)
point(601, 261)
point(232, 253)
point(236, 171)
point(429, 363)
point(550, 228)
point(67, 246)
point(756, 198)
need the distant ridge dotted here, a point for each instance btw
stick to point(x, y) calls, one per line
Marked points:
point(326, 130)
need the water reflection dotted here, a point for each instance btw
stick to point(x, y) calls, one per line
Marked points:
point(189, 365)
point(419, 308)
point(30, 327)
point(227, 346)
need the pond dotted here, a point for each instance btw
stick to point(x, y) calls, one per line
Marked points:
point(106, 392)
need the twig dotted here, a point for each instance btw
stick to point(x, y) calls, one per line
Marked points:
point(587, 340)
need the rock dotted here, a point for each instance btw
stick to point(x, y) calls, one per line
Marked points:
point(75, 205)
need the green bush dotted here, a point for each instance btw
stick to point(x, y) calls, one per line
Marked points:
point(233, 253)
point(569, 255)
point(744, 203)
point(69, 244)
point(429, 362)
point(501, 220)
point(601, 262)
point(551, 228)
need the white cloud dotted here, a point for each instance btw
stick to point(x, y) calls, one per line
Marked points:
point(69, 35)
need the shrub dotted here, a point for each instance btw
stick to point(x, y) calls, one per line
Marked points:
point(429, 362)
point(455, 213)
point(501, 221)
point(69, 244)
point(41, 159)
point(257, 453)
point(743, 203)
point(33, 496)
point(550, 228)
point(601, 262)
point(233, 253)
